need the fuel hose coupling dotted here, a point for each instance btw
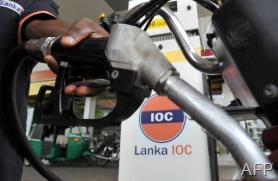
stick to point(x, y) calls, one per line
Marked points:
point(138, 53)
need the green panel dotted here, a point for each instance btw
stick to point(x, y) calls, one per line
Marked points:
point(55, 152)
point(75, 147)
point(37, 146)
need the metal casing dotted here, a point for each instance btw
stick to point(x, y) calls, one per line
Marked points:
point(248, 30)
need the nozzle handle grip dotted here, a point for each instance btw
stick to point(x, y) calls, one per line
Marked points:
point(89, 52)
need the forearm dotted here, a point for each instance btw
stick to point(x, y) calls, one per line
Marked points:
point(44, 28)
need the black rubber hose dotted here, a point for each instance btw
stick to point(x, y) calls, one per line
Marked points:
point(147, 9)
point(14, 121)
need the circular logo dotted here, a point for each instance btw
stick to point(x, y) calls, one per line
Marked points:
point(161, 120)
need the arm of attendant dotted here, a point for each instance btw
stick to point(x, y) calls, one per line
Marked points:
point(37, 24)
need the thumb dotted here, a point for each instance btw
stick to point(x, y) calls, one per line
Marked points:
point(68, 41)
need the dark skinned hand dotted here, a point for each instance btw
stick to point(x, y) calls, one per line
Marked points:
point(78, 31)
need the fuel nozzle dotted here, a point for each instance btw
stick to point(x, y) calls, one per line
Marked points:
point(86, 63)
point(89, 52)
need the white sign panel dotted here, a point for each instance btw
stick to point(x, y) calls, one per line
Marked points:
point(160, 142)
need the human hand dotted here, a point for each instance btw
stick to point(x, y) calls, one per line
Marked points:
point(81, 29)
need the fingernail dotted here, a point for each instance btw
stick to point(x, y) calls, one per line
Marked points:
point(97, 35)
point(69, 40)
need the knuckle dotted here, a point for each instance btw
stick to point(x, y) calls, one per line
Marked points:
point(74, 29)
point(86, 21)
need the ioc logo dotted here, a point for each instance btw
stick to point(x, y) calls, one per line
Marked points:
point(160, 117)
point(161, 120)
